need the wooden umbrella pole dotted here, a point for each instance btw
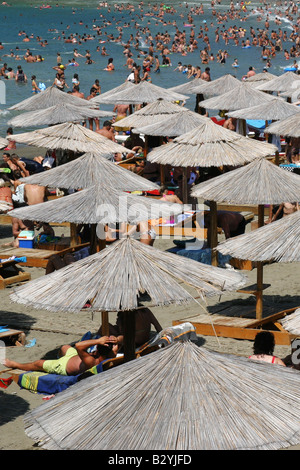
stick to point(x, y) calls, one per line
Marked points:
point(213, 231)
point(146, 146)
point(104, 323)
point(259, 294)
point(73, 235)
point(184, 186)
point(97, 244)
point(129, 335)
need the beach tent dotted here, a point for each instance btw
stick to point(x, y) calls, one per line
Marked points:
point(52, 96)
point(180, 398)
point(70, 136)
point(260, 183)
point(57, 114)
point(88, 170)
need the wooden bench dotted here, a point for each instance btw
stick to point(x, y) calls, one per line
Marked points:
point(11, 273)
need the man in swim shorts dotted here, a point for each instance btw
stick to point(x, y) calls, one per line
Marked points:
point(72, 360)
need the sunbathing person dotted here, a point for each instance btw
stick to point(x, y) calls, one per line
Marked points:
point(72, 360)
point(263, 348)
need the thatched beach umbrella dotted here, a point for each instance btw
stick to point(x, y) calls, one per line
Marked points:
point(52, 96)
point(276, 109)
point(107, 95)
point(260, 182)
point(3, 142)
point(218, 86)
point(187, 88)
point(242, 96)
point(260, 78)
point(156, 111)
point(114, 279)
point(210, 145)
point(88, 170)
point(98, 204)
point(59, 113)
point(70, 136)
point(289, 127)
point(282, 83)
point(143, 92)
point(179, 398)
point(173, 125)
point(278, 241)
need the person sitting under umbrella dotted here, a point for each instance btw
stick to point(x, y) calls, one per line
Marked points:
point(263, 348)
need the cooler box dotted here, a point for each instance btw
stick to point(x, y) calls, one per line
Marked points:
point(26, 239)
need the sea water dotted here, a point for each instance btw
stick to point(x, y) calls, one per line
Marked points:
point(80, 17)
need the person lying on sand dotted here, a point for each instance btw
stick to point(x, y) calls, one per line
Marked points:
point(72, 360)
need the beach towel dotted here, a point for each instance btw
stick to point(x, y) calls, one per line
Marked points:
point(41, 382)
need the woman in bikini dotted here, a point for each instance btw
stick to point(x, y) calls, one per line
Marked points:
point(263, 348)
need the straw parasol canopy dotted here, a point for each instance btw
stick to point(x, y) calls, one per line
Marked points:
point(284, 82)
point(259, 182)
point(188, 87)
point(260, 78)
point(218, 86)
point(182, 397)
point(124, 86)
point(173, 125)
point(101, 204)
point(143, 92)
point(59, 113)
point(3, 142)
point(278, 241)
point(158, 110)
point(88, 170)
point(115, 278)
point(242, 96)
point(289, 127)
point(52, 96)
point(276, 109)
point(70, 136)
point(210, 145)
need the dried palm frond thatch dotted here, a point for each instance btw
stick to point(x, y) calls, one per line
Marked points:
point(158, 110)
point(49, 97)
point(243, 95)
point(278, 241)
point(260, 78)
point(284, 82)
point(173, 125)
point(143, 92)
point(88, 170)
point(210, 145)
point(101, 204)
point(188, 87)
point(291, 322)
point(70, 136)
point(289, 127)
point(62, 112)
point(182, 397)
point(259, 182)
point(275, 110)
point(3, 142)
point(110, 93)
point(217, 87)
point(114, 279)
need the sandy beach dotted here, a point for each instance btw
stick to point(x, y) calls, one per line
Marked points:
point(51, 330)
